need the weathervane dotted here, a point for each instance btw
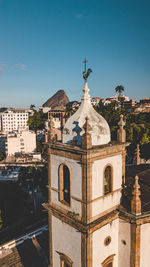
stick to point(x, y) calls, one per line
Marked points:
point(86, 74)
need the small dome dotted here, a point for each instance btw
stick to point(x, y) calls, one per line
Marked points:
point(73, 128)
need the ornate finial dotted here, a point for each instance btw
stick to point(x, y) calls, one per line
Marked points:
point(136, 186)
point(136, 157)
point(136, 201)
point(121, 133)
point(121, 123)
point(86, 74)
point(86, 137)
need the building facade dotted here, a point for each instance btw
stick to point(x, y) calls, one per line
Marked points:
point(21, 142)
point(14, 119)
point(95, 215)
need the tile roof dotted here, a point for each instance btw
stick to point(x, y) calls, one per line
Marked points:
point(31, 253)
point(143, 172)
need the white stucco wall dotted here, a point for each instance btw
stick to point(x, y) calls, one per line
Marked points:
point(145, 245)
point(103, 204)
point(13, 145)
point(76, 177)
point(124, 250)
point(29, 140)
point(66, 240)
point(25, 142)
point(100, 251)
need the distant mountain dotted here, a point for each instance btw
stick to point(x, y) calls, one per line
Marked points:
point(58, 99)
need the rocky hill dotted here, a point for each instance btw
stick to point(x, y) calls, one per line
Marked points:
point(58, 99)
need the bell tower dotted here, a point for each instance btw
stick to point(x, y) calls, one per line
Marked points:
point(85, 178)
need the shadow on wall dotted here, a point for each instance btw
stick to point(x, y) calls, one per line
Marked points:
point(78, 138)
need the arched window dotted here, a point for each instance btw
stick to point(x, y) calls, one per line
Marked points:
point(64, 184)
point(65, 261)
point(109, 261)
point(107, 180)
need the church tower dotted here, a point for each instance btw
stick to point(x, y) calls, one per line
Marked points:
point(86, 172)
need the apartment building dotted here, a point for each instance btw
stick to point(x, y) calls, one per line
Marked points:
point(21, 142)
point(14, 119)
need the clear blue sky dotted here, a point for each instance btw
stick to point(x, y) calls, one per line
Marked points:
point(43, 44)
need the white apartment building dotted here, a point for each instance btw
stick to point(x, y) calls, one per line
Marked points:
point(14, 119)
point(21, 142)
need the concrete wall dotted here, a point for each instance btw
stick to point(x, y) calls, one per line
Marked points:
point(29, 139)
point(13, 145)
point(145, 243)
point(76, 177)
point(124, 249)
point(107, 202)
point(66, 240)
point(21, 142)
point(100, 251)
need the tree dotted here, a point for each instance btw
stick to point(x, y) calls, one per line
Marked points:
point(32, 106)
point(1, 156)
point(119, 89)
point(37, 121)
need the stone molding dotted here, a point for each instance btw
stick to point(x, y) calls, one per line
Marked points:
point(96, 153)
point(66, 217)
point(91, 201)
point(132, 218)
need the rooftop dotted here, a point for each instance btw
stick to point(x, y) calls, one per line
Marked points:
point(32, 251)
point(143, 172)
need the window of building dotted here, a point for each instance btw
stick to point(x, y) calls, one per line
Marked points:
point(65, 261)
point(64, 184)
point(107, 241)
point(107, 180)
point(108, 262)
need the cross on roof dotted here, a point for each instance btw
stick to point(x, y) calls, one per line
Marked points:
point(85, 61)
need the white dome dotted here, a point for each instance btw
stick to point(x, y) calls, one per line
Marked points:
point(73, 128)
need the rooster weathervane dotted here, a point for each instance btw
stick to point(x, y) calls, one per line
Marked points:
point(86, 73)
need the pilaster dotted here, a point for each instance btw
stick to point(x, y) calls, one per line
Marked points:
point(135, 228)
point(50, 241)
point(87, 249)
point(86, 189)
point(135, 245)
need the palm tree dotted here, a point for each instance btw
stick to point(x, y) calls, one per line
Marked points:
point(119, 89)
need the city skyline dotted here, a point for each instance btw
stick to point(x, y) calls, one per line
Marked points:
point(43, 46)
